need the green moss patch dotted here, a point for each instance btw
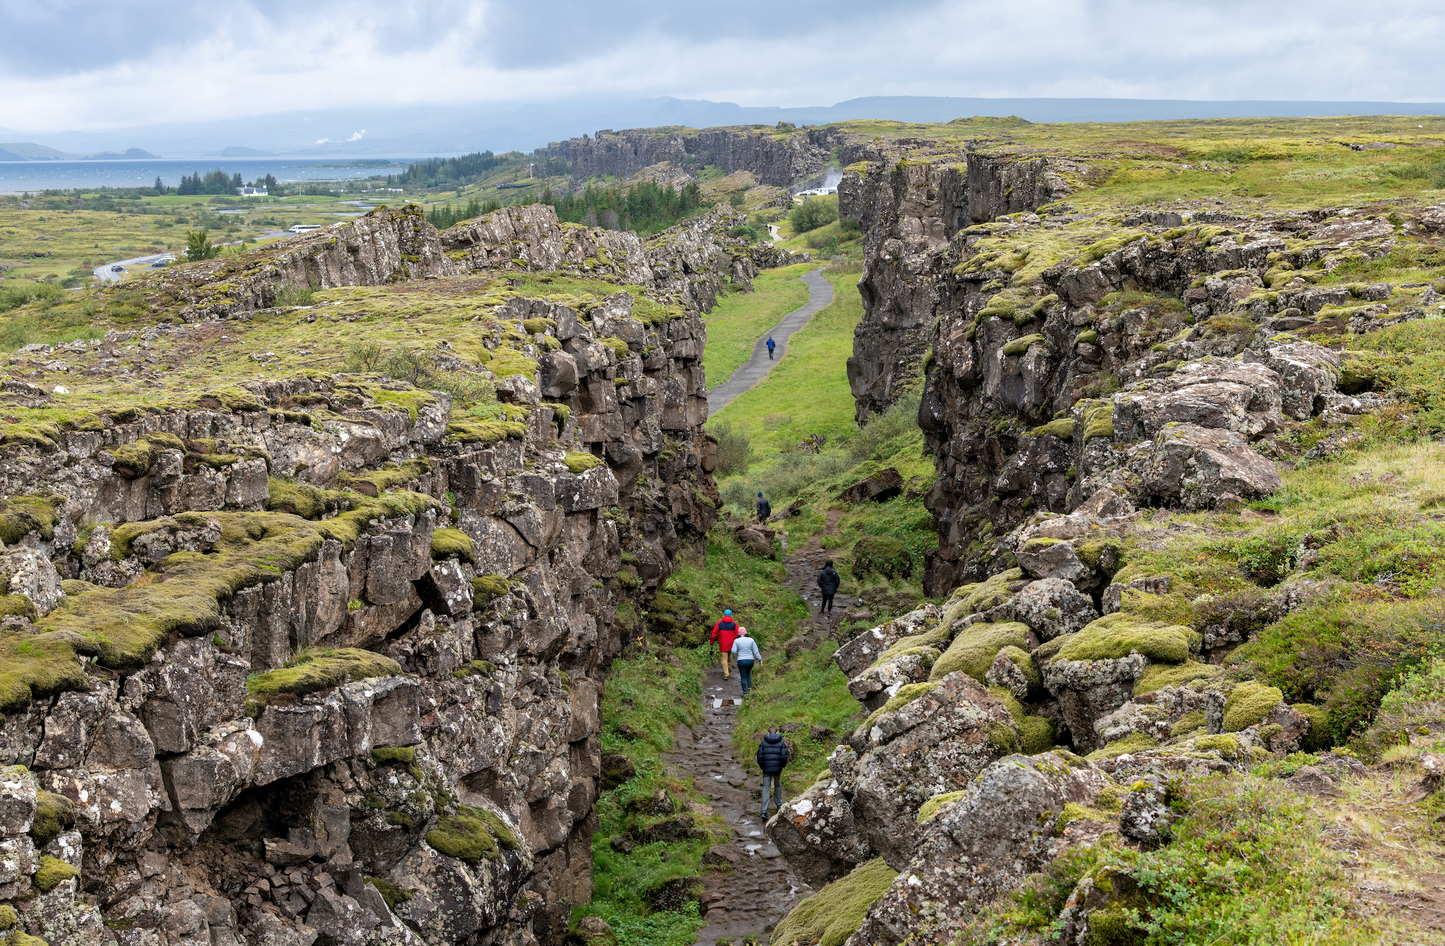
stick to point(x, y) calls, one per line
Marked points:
point(1063, 428)
point(983, 595)
point(1248, 704)
point(1159, 676)
point(1227, 746)
point(487, 587)
point(976, 646)
point(52, 873)
point(447, 543)
point(394, 755)
point(390, 892)
point(183, 594)
point(1075, 812)
point(902, 698)
point(578, 462)
point(1134, 742)
point(1188, 723)
point(1118, 635)
point(315, 671)
point(931, 807)
point(472, 835)
point(53, 815)
point(23, 515)
point(485, 433)
point(834, 913)
point(1020, 345)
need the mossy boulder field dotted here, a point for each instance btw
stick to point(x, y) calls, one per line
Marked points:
point(353, 587)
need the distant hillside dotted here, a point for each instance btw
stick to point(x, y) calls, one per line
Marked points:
point(239, 151)
point(30, 151)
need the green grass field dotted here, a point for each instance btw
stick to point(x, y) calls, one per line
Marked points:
point(740, 319)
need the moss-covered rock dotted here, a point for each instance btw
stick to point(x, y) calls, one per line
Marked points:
point(902, 698)
point(317, 670)
point(472, 835)
point(578, 462)
point(487, 587)
point(1159, 676)
point(52, 873)
point(449, 543)
point(390, 892)
point(485, 433)
point(932, 806)
point(1020, 345)
point(22, 515)
point(1118, 635)
point(8, 919)
point(1319, 736)
point(1227, 746)
point(53, 815)
point(976, 646)
point(1134, 742)
point(883, 556)
point(833, 914)
point(1188, 723)
point(1249, 703)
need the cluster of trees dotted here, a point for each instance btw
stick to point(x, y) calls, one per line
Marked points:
point(215, 182)
point(468, 169)
point(646, 207)
point(444, 217)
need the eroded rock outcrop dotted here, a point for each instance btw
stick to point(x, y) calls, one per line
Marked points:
point(317, 660)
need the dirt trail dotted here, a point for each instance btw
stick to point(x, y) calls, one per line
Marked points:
point(750, 899)
point(760, 889)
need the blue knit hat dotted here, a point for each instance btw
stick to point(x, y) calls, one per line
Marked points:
point(727, 611)
point(760, 494)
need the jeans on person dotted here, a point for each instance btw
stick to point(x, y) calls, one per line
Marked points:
point(773, 781)
point(745, 673)
point(827, 605)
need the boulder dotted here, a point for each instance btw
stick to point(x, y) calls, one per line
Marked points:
point(881, 486)
point(25, 572)
point(1052, 606)
point(980, 847)
point(1197, 468)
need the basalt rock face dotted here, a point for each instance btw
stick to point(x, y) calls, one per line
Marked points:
point(686, 264)
point(1019, 403)
point(464, 585)
point(909, 213)
point(774, 161)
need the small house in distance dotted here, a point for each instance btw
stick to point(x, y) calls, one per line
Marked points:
point(252, 191)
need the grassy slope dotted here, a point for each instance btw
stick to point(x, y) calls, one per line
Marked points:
point(740, 319)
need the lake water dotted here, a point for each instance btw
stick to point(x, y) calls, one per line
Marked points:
point(20, 176)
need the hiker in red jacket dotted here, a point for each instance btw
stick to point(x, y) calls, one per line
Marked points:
point(725, 632)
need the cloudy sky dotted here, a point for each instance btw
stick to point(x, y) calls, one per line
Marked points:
point(96, 64)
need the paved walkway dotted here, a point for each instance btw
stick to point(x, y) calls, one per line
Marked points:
point(820, 296)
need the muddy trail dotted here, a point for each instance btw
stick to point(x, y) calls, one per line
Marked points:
point(758, 890)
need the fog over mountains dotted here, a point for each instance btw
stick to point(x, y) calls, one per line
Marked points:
point(523, 127)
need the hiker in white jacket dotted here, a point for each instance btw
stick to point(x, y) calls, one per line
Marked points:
point(745, 649)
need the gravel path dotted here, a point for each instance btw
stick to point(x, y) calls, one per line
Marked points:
point(820, 296)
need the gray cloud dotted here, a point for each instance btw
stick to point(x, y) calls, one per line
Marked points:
point(174, 61)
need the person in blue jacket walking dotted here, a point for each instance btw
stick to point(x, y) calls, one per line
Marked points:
point(771, 346)
point(745, 649)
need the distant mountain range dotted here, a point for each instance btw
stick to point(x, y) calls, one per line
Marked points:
point(431, 130)
point(30, 151)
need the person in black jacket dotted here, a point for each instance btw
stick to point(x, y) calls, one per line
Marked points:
point(772, 756)
point(828, 582)
point(765, 508)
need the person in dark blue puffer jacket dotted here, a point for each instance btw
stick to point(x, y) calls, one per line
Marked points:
point(772, 757)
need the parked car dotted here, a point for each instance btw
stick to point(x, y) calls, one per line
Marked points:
point(158, 264)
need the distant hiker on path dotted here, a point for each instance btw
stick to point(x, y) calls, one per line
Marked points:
point(828, 582)
point(748, 654)
point(765, 508)
point(725, 631)
point(772, 756)
point(771, 345)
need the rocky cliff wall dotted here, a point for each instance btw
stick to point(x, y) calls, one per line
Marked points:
point(909, 213)
point(773, 160)
point(318, 661)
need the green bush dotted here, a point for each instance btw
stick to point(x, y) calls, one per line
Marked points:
point(16, 295)
point(734, 448)
point(813, 213)
point(883, 556)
